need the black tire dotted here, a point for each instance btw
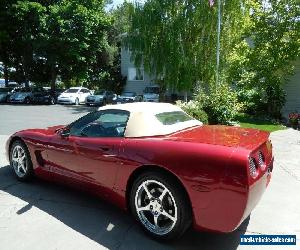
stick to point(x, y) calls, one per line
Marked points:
point(27, 100)
point(51, 101)
point(184, 212)
point(29, 169)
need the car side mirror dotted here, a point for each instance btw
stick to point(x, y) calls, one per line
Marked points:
point(65, 132)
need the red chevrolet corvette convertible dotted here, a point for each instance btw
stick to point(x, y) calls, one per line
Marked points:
point(168, 169)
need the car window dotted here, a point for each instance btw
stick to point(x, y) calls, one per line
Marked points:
point(151, 90)
point(129, 94)
point(71, 91)
point(170, 118)
point(108, 123)
point(99, 92)
point(85, 91)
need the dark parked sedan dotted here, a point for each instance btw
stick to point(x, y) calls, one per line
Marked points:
point(128, 96)
point(100, 97)
point(32, 95)
point(5, 93)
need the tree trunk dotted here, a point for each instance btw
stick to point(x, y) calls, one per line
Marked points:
point(53, 77)
point(6, 75)
point(185, 96)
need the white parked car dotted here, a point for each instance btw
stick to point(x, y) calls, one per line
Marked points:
point(75, 95)
point(151, 94)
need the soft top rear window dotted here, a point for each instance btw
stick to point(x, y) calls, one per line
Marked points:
point(170, 118)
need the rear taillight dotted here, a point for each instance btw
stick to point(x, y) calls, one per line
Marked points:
point(253, 167)
point(261, 159)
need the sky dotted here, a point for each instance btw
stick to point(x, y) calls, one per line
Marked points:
point(117, 2)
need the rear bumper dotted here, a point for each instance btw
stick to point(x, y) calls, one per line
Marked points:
point(98, 102)
point(256, 191)
point(65, 101)
point(231, 204)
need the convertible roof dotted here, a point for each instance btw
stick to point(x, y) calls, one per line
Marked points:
point(142, 121)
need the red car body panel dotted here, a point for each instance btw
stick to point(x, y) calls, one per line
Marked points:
point(211, 162)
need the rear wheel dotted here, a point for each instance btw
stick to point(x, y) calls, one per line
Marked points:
point(160, 204)
point(20, 161)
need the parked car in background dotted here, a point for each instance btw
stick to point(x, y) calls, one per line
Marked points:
point(100, 97)
point(5, 93)
point(32, 95)
point(74, 95)
point(128, 96)
point(56, 93)
point(151, 94)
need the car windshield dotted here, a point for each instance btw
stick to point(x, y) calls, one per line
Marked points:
point(151, 90)
point(38, 89)
point(170, 118)
point(71, 91)
point(23, 90)
point(99, 92)
point(4, 90)
point(129, 94)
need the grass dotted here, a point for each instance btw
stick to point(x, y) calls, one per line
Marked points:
point(262, 123)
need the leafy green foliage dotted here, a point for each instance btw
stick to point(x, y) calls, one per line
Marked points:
point(194, 109)
point(214, 105)
point(220, 103)
point(176, 40)
point(69, 38)
point(262, 62)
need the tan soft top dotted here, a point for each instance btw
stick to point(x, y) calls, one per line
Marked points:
point(142, 120)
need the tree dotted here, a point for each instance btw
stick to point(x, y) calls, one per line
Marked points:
point(6, 36)
point(263, 61)
point(176, 40)
point(76, 39)
point(56, 37)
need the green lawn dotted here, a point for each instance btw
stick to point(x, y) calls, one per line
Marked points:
point(247, 121)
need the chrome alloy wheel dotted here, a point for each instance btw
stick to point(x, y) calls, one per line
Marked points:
point(156, 207)
point(19, 161)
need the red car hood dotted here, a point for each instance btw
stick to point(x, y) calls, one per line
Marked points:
point(223, 135)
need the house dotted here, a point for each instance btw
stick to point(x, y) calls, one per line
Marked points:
point(137, 78)
point(292, 90)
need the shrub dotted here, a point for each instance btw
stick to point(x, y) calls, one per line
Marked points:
point(220, 103)
point(194, 109)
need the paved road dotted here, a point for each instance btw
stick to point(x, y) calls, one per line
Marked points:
point(40, 215)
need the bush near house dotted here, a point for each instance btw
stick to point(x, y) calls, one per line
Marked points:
point(194, 109)
point(217, 105)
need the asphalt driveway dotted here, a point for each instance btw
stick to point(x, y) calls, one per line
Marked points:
point(41, 215)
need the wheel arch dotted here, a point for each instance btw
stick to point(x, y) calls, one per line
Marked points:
point(153, 168)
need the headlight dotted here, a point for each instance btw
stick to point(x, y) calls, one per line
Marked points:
point(252, 167)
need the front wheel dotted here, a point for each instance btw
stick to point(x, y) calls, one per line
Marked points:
point(160, 205)
point(51, 101)
point(27, 100)
point(20, 161)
